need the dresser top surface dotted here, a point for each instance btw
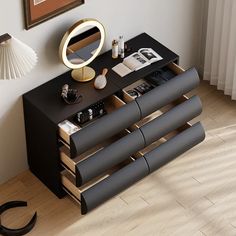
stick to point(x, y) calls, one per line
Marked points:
point(46, 97)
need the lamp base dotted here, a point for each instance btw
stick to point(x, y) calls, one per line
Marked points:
point(83, 74)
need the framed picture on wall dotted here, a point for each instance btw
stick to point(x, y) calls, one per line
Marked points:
point(38, 11)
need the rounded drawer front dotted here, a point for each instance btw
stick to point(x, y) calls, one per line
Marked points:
point(104, 128)
point(69, 127)
point(174, 147)
point(69, 180)
point(70, 164)
point(171, 120)
point(168, 92)
point(114, 184)
point(107, 185)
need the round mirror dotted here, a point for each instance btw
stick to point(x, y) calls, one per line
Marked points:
point(80, 45)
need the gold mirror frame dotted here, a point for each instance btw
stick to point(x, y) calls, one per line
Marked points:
point(81, 72)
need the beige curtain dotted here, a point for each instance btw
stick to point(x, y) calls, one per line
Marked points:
point(220, 52)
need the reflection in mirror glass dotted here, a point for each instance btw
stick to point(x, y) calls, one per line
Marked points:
point(83, 45)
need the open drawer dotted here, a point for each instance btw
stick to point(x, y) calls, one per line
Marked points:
point(69, 180)
point(119, 116)
point(174, 68)
point(174, 145)
point(161, 141)
point(105, 186)
point(70, 164)
point(68, 128)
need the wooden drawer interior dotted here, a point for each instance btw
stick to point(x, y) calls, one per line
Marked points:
point(70, 164)
point(69, 181)
point(127, 98)
point(68, 127)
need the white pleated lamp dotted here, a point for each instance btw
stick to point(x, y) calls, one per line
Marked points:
point(16, 58)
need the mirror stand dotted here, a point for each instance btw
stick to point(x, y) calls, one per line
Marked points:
point(83, 74)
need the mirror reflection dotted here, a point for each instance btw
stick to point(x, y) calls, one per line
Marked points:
point(83, 45)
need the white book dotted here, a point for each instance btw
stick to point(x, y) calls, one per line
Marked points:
point(137, 61)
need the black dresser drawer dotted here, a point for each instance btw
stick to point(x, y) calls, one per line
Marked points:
point(106, 186)
point(120, 116)
point(174, 147)
point(70, 163)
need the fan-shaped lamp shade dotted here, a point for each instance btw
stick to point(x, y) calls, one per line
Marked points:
point(16, 58)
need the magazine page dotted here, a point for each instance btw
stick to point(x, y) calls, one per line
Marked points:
point(135, 61)
point(150, 55)
point(121, 69)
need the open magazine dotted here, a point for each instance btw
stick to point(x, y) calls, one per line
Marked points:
point(136, 61)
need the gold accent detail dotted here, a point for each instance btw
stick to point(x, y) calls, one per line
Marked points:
point(84, 74)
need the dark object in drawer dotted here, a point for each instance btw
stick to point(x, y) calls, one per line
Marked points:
point(143, 88)
point(92, 112)
point(161, 76)
point(168, 92)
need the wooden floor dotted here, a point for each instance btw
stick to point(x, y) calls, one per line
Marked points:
point(194, 195)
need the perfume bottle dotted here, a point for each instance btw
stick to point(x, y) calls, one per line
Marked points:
point(115, 49)
point(121, 47)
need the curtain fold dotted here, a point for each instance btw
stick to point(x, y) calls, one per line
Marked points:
point(220, 52)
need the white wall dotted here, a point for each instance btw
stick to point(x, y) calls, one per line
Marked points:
point(177, 24)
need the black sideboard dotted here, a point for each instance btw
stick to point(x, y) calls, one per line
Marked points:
point(136, 137)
